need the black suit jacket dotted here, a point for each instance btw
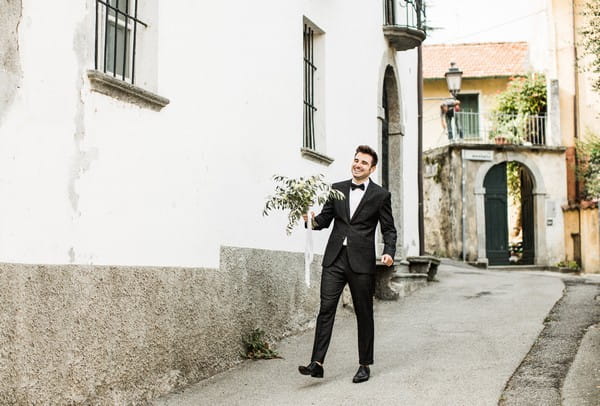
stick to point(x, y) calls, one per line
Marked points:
point(375, 207)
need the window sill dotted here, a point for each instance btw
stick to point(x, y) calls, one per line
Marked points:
point(113, 87)
point(316, 156)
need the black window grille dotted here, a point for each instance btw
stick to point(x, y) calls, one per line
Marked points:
point(309, 88)
point(116, 36)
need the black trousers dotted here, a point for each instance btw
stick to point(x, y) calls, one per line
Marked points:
point(333, 281)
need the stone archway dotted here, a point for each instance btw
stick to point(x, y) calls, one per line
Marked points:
point(390, 142)
point(538, 194)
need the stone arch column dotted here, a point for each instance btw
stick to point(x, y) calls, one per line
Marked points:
point(388, 78)
point(539, 200)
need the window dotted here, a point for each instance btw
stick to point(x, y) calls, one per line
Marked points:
point(467, 119)
point(310, 70)
point(313, 142)
point(117, 27)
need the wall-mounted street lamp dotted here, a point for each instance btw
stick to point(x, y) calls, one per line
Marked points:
point(453, 79)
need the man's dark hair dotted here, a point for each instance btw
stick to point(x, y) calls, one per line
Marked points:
point(365, 149)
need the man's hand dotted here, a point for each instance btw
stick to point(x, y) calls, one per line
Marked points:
point(387, 260)
point(305, 216)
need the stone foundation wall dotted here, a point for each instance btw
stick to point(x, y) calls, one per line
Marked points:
point(75, 334)
point(442, 203)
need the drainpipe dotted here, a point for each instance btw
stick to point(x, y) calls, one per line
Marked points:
point(463, 191)
point(576, 125)
point(420, 148)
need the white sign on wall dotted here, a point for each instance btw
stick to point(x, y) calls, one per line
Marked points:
point(478, 155)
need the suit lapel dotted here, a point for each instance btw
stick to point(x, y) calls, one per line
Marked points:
point(346, 192)
point(368, 193)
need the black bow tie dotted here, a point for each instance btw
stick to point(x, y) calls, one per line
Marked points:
point(361, 186)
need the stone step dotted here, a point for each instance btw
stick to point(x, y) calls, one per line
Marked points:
point(407, 283)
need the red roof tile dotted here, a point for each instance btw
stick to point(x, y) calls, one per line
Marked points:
point(491, 59)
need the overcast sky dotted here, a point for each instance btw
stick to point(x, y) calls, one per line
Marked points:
point(463, 21)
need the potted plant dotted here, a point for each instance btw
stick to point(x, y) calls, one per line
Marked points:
point(508, 129)
point(568, 266)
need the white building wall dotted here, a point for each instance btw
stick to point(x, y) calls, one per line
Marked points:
point(89, 179)
point(408, 83)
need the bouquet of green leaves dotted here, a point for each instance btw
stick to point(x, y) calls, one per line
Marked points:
point(298, 195)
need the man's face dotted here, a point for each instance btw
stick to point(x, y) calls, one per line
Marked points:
point(361, 167)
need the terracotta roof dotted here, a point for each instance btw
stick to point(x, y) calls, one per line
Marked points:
point(491, 59)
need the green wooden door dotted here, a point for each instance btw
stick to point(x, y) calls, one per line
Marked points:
point(496, 215)
point(527, 218)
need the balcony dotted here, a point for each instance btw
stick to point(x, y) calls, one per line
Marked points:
point(404, 23)
point(491, 128)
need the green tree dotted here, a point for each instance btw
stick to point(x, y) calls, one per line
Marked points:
point(591, 38)
point(588, 148)
point(588, 168)
point(524, 95)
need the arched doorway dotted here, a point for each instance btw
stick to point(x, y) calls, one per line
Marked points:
point(390, 142)
point(385, 141)
point(509, 214)
point(390, 132)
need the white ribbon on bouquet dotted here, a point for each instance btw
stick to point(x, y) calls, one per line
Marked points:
point(308, 252)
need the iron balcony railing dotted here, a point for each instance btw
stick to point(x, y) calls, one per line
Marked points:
point(405, 13)
point(520, 129)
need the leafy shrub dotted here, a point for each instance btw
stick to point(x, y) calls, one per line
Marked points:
point(588, 165)
point(256, 347)
point(524, 95)
point(523, 98)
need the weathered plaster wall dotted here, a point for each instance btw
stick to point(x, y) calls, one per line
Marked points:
point(442, 203)
point(571, 227)
point(588, 99)
point(408, 225)
point(118, 335)
point(471, 242)
point(10, 63)
point(562, 16)
point(590, 240)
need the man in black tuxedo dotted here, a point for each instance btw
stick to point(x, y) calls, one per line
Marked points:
point(350, 258)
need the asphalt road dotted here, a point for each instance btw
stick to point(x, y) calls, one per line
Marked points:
point(458, 341)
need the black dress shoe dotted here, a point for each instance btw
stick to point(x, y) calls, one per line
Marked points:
point(313, 369)
point(362, 374)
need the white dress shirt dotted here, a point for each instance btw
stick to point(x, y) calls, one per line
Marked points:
point(356, 196)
